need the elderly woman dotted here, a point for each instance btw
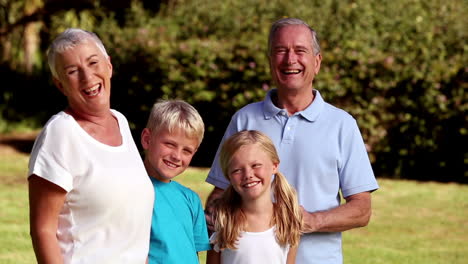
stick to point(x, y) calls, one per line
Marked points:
point(89, 194)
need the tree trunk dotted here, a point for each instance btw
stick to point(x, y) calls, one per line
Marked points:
point(31, 35)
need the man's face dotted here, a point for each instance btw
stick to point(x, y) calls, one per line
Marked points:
point(167, 154)
point(84, 74)
point(292, 61)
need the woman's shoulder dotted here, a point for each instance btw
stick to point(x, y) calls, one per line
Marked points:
point(58, 123)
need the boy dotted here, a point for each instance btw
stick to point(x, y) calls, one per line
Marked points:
point(172, 136)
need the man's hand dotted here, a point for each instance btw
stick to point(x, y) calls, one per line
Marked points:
point(356, 212)
point(210, 206)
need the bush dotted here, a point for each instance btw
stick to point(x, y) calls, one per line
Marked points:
point(398, 67)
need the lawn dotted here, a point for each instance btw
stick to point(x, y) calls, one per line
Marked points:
point(412, 222)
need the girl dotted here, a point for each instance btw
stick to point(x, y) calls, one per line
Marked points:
point(258, 218)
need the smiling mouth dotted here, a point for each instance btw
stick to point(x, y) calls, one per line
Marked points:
point(93, 91)
point(170, 164)
point(251, 184)
point(289, 72)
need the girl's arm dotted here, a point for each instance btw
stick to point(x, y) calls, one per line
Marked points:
point(213, 257)
point(292, 255)
point(45, 202)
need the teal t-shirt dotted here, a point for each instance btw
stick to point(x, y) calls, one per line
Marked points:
point(178, 228)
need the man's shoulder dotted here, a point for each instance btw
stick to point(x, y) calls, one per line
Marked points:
point(250, 109)
point(335, 112)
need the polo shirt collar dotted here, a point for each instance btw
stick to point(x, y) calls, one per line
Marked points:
point(311, 113)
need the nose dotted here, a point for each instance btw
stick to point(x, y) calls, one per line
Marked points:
point(85, 74)
point(291, 57)
point(248, 173)
point(176, 154)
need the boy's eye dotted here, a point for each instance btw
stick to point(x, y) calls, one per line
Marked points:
point(188, 151)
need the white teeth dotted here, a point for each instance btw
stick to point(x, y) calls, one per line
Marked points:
point(93, 90)
point(250, 184)
point(291, 71)
point(170, 164)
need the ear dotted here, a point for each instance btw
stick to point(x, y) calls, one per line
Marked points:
point(318, 62)
point(275, 167)
point(59, 85)
point(109, 64)
point(145, 138)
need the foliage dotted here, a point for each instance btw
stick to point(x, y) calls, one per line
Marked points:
point(398, 67)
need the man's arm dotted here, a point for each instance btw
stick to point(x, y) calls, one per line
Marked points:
point(214, 196)
point(356, 212)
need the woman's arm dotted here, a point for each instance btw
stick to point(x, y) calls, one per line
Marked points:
point(292, 255)
point(45, 202)
point(213, 257)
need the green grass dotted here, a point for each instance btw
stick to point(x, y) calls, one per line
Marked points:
point(412, 222)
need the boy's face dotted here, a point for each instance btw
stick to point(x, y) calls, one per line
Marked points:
point(167, 154)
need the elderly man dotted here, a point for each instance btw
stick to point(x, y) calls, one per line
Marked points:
point(320, 146)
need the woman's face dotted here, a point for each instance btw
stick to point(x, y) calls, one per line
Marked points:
point(84, 74)
point(250, 172)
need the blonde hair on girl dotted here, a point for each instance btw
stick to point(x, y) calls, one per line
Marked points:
point(230, 220)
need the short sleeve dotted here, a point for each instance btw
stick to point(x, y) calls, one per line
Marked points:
point(355, 173)
point(200, 230)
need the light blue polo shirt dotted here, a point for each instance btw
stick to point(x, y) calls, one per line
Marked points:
point(321, 152)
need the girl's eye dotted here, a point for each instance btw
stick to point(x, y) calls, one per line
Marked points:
point(170, 144)
point(71, 72)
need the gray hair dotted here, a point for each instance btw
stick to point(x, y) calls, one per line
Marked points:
point(68, 39)
point(176, 114)
point(289, 22)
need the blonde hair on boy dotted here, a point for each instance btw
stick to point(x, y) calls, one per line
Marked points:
point(176, 114)
point(230, 220)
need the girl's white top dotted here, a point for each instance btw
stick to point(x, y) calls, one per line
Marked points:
point(106, 216)
point(254, 248)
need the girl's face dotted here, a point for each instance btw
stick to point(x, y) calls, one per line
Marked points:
point(250, 172)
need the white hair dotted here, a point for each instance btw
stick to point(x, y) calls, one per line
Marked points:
point(68, 39)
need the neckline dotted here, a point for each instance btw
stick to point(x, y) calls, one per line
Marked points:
point(94, 141)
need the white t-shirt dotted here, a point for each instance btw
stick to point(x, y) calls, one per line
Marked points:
point(254, 248)
point(106, 216)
